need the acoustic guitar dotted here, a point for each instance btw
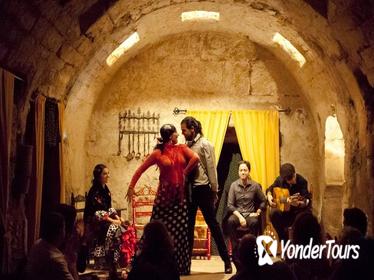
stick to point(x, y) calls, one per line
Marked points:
point(280, 196)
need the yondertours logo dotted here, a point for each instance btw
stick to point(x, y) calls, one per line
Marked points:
point(267, 247)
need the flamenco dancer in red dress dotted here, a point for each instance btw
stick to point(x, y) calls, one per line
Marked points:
point(170, 207)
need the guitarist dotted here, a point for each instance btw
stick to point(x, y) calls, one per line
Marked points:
point(285, 208)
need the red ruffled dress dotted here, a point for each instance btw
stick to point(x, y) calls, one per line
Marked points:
point(128, 245)
point(170, 206)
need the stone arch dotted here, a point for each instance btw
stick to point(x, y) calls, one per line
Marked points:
point(324, 80)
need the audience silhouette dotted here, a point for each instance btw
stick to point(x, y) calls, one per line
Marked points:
point(155, 259)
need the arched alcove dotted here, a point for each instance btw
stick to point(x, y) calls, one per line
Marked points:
point(334, 176)
point(334, 152)
point(194, 71)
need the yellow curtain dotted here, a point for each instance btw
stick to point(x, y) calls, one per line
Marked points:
point(214, 124)
point(39, 158)
point(258, 137)
point(61, 109)
point(6, 125)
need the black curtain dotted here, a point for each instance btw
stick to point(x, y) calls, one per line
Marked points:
point(227, 171)
point(51, 177)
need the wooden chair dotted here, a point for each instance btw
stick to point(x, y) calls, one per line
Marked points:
point(241, 231)
point(78, 202)
point(142, 205)
point(202, 240)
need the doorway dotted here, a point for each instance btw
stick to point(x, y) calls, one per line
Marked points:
point(227, 171)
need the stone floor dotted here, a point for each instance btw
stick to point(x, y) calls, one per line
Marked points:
point(201, 269)
point(208, 270)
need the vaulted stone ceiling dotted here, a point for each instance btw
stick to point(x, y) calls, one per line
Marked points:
point(60, 48)
point(70, 40)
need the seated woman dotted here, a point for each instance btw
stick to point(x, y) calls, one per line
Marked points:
point(155, 260)
point(102, 224)
point(113, 234)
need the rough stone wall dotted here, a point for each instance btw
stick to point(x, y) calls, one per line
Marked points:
point(204, 71)
point(41, 41)
point(59, 51)
point(352, 22)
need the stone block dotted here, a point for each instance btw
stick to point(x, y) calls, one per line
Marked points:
point(30, 43)
point(70, 55)
point(55, 63)
point(83, 45)
point(367, 56)
point(119, 11)
point(64, 77)
point(40, 29)
point(25, 15)
point(49, 10)
point(102, 27)
point(67, 26)
point(370, 76)
point(44, 32)
point(161, 4)
point(368, 29)
point(261, 81)
point(52, 39)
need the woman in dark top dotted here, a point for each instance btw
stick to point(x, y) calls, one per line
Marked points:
point(99, 196)
point(155, 259)
point(102, 224)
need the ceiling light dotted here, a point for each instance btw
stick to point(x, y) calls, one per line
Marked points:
point(125, 46)
point(289, 48)
point(199, 15)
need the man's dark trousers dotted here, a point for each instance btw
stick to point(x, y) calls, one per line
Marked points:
point(202, 197)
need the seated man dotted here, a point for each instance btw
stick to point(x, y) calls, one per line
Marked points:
point(45, 261)
point(287, 196)
point(245, 203)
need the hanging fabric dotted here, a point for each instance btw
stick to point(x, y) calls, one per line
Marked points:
point(258, 137)
point(61, 109)
point(52, 133)
point(51, 176)
point(39, 159)
point(214, 124)
point(6, 123)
